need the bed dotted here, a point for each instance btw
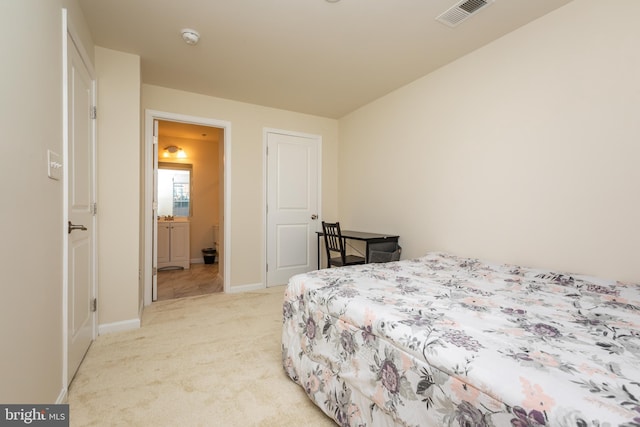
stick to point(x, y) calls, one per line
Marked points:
point(444, 340)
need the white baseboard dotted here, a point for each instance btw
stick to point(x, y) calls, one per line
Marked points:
point(124, 325)
point(245, 288)
point(62, 397)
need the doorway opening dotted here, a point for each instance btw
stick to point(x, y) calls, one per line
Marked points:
point(186, 205)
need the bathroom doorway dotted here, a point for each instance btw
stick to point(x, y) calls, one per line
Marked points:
point(188, 193)
point(191, 195)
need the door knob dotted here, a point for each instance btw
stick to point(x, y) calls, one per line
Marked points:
point(76, 227)
point(314, 217)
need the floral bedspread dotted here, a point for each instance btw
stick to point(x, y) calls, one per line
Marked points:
point(443, 340)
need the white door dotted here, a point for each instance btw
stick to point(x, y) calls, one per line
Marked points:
point(292, 205)
point(80, 200)
point(154, 220)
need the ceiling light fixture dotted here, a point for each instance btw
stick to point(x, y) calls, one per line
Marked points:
point(190, 36)
point(333, 1)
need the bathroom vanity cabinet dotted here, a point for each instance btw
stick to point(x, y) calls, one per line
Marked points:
point(173, 244)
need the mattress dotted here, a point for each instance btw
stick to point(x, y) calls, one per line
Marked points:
point(445, 340)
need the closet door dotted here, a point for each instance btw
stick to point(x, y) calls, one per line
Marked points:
point(293, 200)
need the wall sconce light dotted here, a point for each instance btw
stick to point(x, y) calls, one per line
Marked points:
point(173, 151)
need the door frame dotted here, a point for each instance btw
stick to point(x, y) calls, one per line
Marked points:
point(265, 184)
point(150, 116)
point(70, 33)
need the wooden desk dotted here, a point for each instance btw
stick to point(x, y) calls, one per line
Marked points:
point(367, 238)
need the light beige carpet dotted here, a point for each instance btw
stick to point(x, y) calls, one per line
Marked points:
point(212, 360)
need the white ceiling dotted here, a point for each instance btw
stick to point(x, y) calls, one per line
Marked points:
point(309, 56)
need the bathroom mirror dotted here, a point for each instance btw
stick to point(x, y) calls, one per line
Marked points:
point(174, 189)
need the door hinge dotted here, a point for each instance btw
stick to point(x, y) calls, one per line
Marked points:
point(155, 271)
point(267, 268)
point(93, 111)
point(94, 305)
point(94, 208)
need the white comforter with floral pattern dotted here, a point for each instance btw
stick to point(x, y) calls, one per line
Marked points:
point(443, 340)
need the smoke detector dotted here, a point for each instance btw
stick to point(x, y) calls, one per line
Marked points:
point(190, 36)
point(461, 11)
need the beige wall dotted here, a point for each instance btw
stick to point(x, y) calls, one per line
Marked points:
point(247, 125)
point(524, 151)
point(205, 186)
point(32, 210)
point(119, 188)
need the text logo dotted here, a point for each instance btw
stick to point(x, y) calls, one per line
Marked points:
point(34, 415)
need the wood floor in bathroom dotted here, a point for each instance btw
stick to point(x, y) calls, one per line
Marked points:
point(200, 279)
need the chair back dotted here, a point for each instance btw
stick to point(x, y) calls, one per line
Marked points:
point(333, 241)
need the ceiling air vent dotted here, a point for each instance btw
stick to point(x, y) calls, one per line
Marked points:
point(461, 11)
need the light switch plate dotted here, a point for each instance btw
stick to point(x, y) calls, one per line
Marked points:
point(54, 165)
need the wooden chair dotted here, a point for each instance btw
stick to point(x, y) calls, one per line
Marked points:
point(334, 242)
